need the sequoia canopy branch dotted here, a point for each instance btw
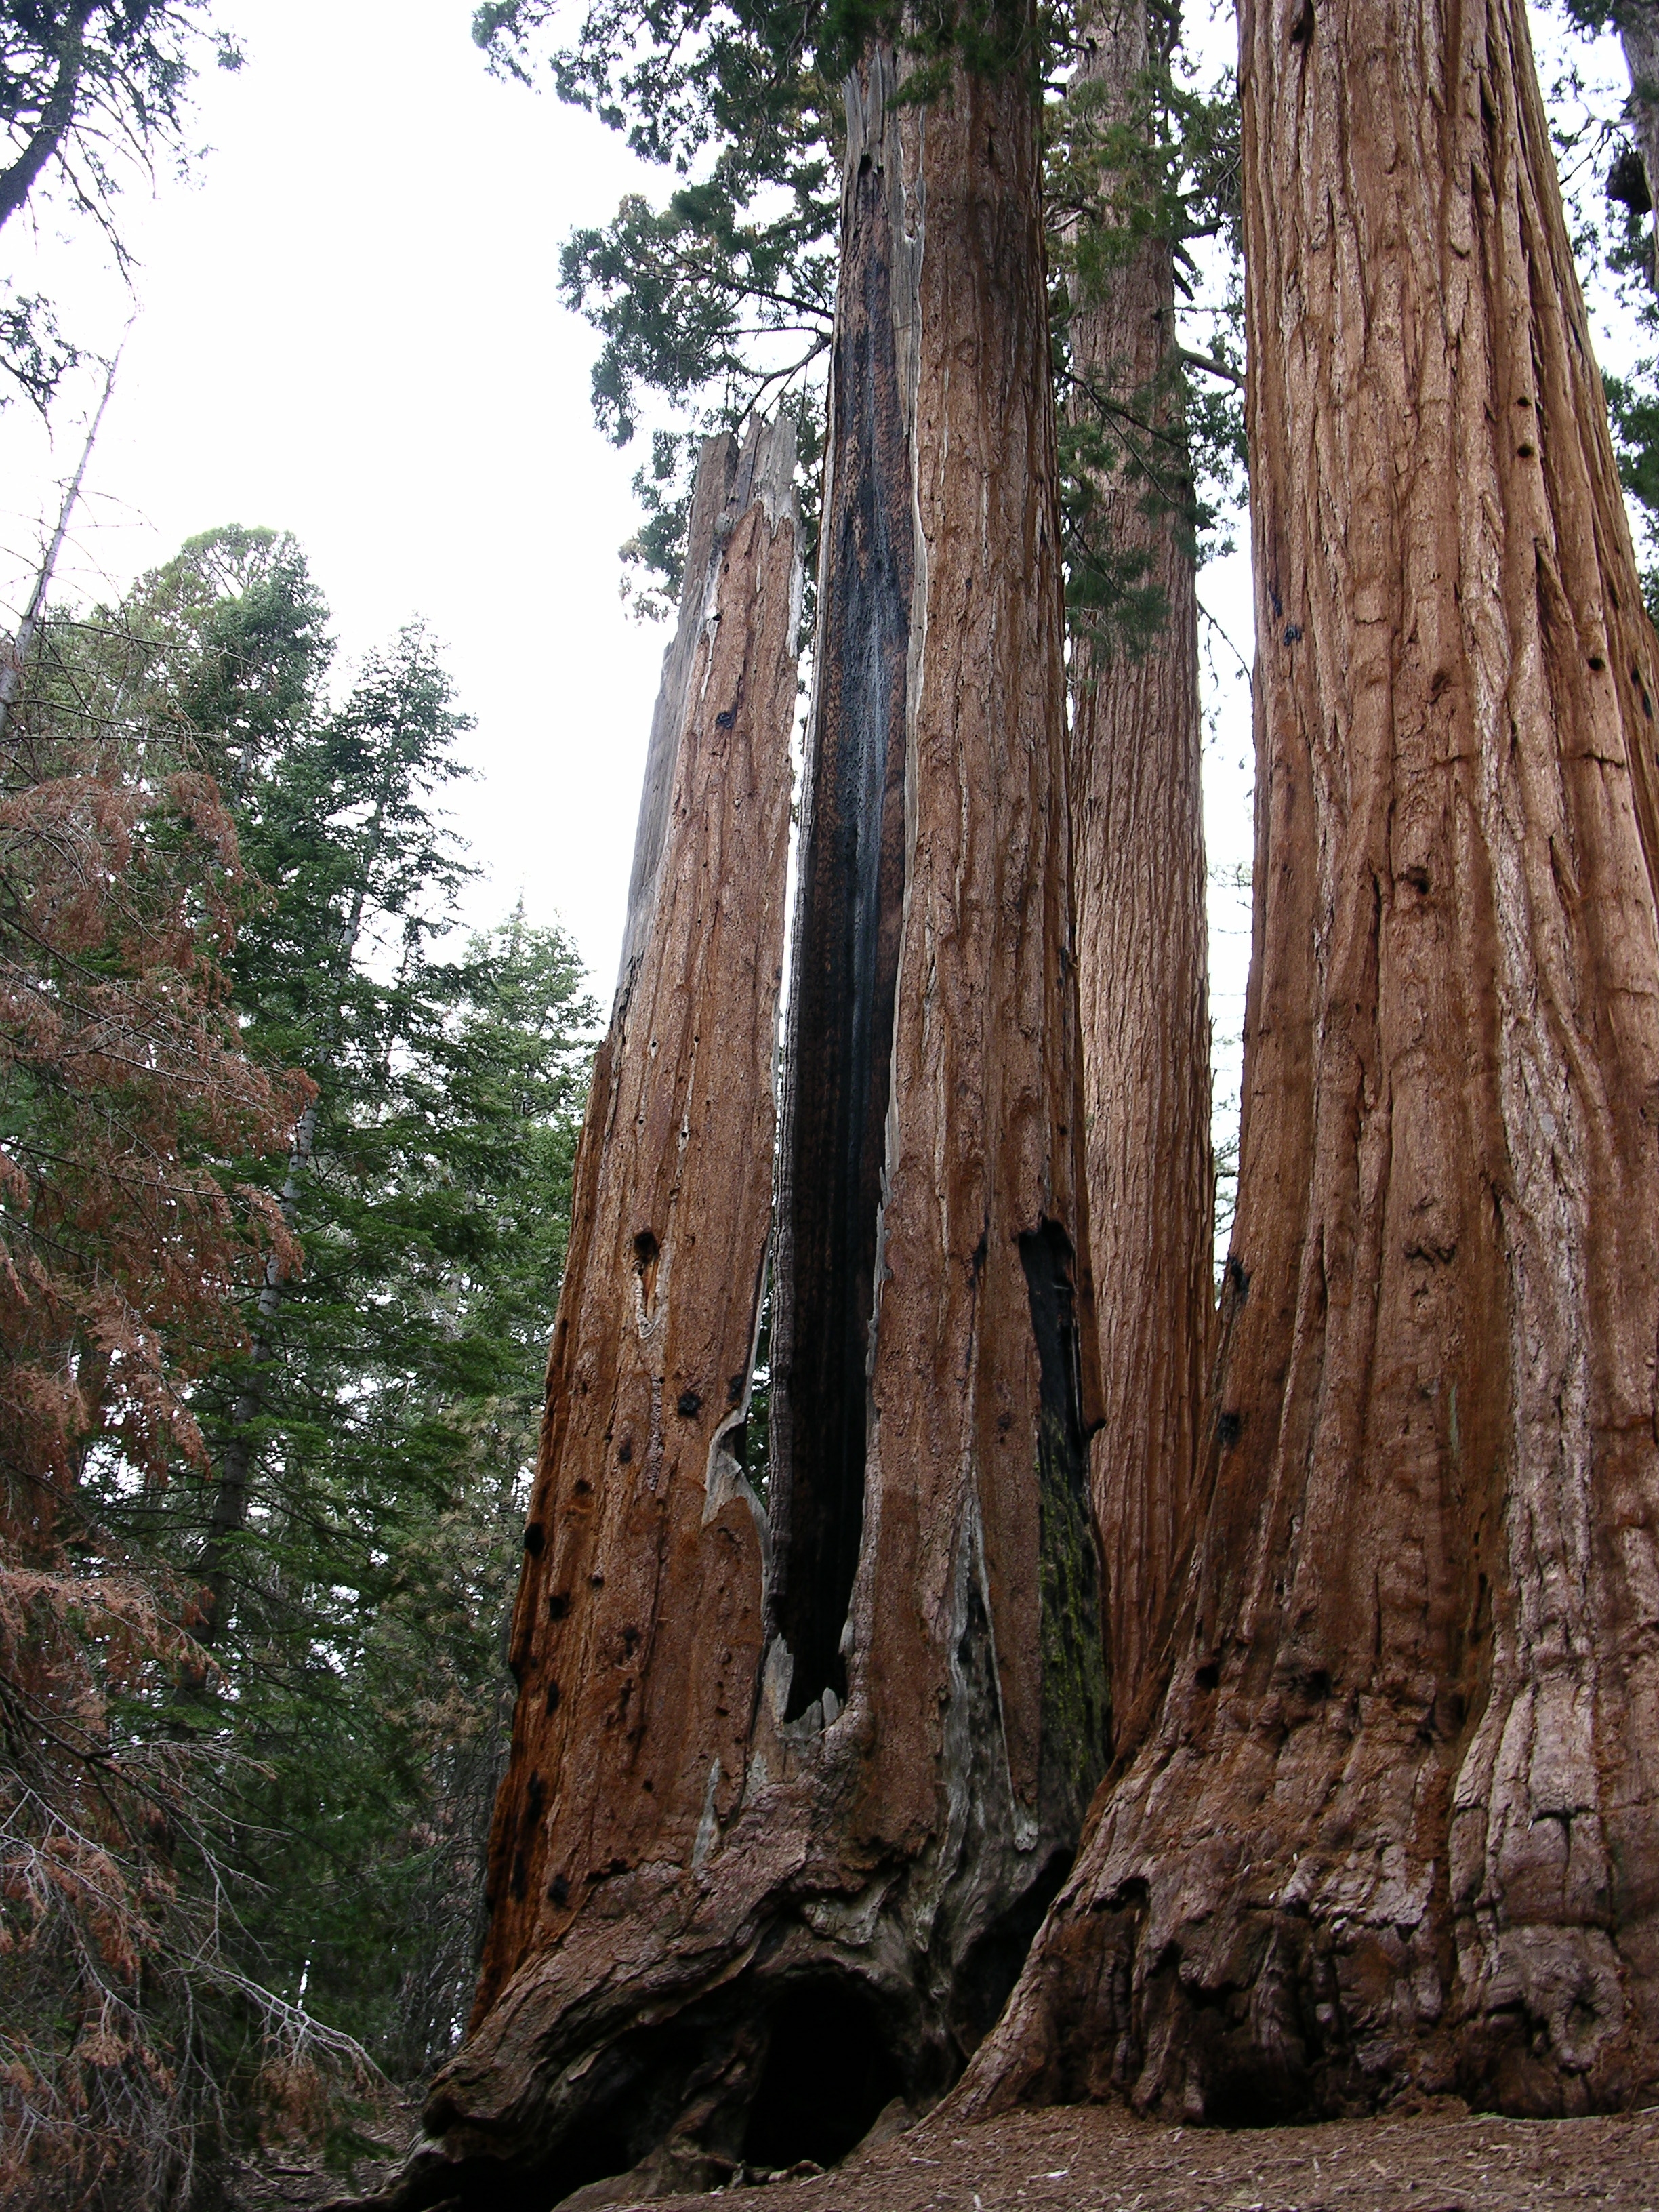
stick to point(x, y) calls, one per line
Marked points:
point(794, 1778)
point(1395, 1828)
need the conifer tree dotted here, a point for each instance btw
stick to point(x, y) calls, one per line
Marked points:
point(1115, 177)
point(126, 1235)
point(209, 1896)
point(371, 1446)
point(90, 91)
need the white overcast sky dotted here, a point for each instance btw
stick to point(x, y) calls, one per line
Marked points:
point(349, 328)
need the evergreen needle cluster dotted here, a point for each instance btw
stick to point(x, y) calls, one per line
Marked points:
point(287, 1169)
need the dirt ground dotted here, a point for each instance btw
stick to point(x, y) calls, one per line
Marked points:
point(1090, 2159)
point(1078, 2157)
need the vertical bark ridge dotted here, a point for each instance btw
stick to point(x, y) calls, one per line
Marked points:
point(1143, 962)
point(1394, 1827)
point(983, 1136)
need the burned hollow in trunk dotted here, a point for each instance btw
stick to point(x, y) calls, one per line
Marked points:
point(839, 1057)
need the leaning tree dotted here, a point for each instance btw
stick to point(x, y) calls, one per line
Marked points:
point(1392, 1827)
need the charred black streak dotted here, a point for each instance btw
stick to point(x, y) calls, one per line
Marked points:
point(848, 918)
point(1076, 1705)
point(1627, 182)
point(1302, 25)
point(647, 1254)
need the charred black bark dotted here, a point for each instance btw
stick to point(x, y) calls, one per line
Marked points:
point(849, 906)
point(1076, 1705)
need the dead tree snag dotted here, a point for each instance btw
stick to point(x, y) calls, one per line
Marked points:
point(1395, 1827)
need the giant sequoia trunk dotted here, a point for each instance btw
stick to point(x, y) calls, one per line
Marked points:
point(792, 1782)
point(1395, 1825)
point(1142, 948)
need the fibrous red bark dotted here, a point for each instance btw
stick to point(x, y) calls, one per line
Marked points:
point(1137, 742)
point(1395, 1825)
point(794, 1778)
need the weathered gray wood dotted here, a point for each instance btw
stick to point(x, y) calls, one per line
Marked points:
point(716, 468)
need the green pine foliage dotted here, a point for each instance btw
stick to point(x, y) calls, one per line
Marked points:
point(1166, 174)
point(387, 1413)
point(722, 301)
point(91, 92)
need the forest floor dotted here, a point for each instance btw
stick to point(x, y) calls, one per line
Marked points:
point(1095, 2158)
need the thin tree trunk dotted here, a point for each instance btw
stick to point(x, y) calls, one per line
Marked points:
point(1395, 1825)
point(792, 1789)
point(232, 1492)
point(1638, 34)
point(1142, 948)
point(19, 177)
point(14, 664)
